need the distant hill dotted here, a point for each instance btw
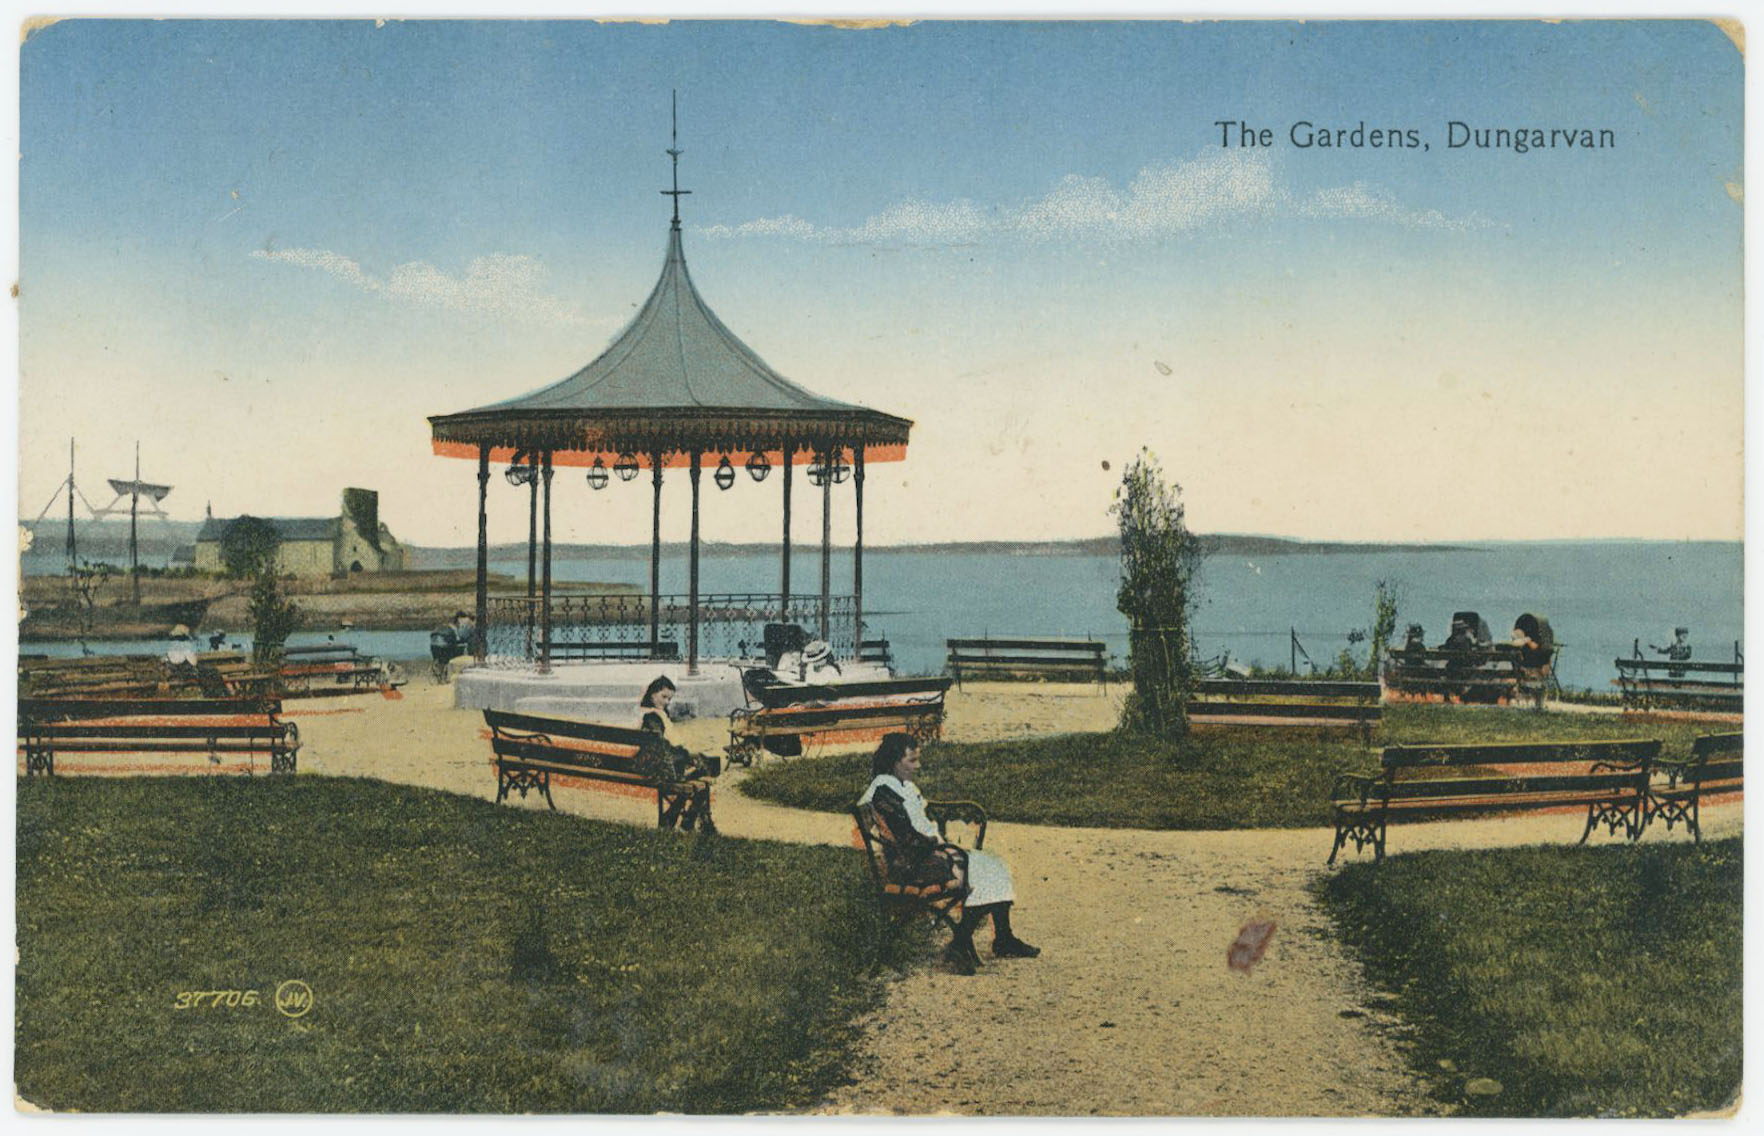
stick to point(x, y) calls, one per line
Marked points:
point(1228, 544)
point(109, 540)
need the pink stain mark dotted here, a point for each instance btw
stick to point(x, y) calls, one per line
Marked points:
point(1250, 945)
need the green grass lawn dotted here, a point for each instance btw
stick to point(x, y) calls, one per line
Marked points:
point(1240, 778)
point(462, 956)
point(1584, 981)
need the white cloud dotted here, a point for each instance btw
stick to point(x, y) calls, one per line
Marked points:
point(503, 284)
point(1361, 200)
point(339, 266)
point(1161, 201)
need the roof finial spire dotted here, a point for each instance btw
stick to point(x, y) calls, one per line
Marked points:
point(674, 152)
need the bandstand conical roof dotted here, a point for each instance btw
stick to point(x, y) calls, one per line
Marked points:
point(675, 380)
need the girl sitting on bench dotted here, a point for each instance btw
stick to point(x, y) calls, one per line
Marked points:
point(918, 854)
point(688, 811)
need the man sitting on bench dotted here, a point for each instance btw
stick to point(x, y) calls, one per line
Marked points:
point(920, 855)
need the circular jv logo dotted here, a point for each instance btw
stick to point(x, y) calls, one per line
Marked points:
point(294, 998)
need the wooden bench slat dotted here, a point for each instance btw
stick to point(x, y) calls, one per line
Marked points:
point(1481, 656)
point(1448, 790)
point(86, 728)
point(776, 697)
point(538, 750)
point(1686, 689)
point(1315, 688)
point(150, 745)
point(1087, 646)
point(567, 727)
point(538, 758)
point(1685, 665)
point(1021, 660)
point(1517, 753)
point(814, 719)
point(1332, 710)
point(48, 709)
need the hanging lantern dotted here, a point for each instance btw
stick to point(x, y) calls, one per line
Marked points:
point(841, 471)
point(725, 475)
point(597, 475)
point(626, 466)
point(817, 473)
point(519, 473)
point(758, 466)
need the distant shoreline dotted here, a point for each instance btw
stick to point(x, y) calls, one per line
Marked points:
point(97, 542)
point(1222, 545)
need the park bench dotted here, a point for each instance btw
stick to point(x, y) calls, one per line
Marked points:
point(638, 650)
point(1017, 658)
point(876, 651)
point(1481, 674)
point(366, 675)
point(217, 728)
point(98, 675)
point(1667, 684)
point(900, 901)
point(531, 749)
point(1425, 782)
point(317, 671)
point(844, 711)
point(1307, 703)
point(1716, 765)
point(321, 653)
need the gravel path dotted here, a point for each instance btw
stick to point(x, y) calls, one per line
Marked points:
point(1130, 1010)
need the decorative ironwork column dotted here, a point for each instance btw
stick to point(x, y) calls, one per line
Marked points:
point(483, 607)
point(545, 601)
point(784, 582)
point(532, 532)
point(692, 571)
point(857, 555)
point(655, 474)
point(826, 539)
point(532, 546)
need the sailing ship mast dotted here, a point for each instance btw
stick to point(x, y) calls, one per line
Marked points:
point(73, 549)
point(134, 491)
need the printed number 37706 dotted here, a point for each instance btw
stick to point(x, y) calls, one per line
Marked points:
point(214, 999)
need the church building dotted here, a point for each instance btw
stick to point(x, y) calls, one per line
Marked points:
point(354, 541)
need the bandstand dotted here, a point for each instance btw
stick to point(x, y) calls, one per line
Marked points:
point(676, 390)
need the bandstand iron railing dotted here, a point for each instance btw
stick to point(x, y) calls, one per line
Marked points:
point(731, 625)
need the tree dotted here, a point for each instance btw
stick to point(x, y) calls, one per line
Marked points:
point(248, 546)
point(88, 580)
point(1384, 623)
point(1159, 557)
point(273, 616)
point(248, 549)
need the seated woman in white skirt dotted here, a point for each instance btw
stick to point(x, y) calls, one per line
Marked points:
point(920, 855)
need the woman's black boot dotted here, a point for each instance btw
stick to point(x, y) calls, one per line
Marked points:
point(960, 954)
point(1004, 943)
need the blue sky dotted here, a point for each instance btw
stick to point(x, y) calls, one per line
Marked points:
point(286, 243)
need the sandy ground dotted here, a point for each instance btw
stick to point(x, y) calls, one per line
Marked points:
point(1130, 1010)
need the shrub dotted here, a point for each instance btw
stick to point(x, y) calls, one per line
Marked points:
point(1158, 561)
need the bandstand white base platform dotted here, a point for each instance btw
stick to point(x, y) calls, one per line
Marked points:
point(601, 691)
point(607, 691)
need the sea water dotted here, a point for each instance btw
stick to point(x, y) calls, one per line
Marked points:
point(1600, 597)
